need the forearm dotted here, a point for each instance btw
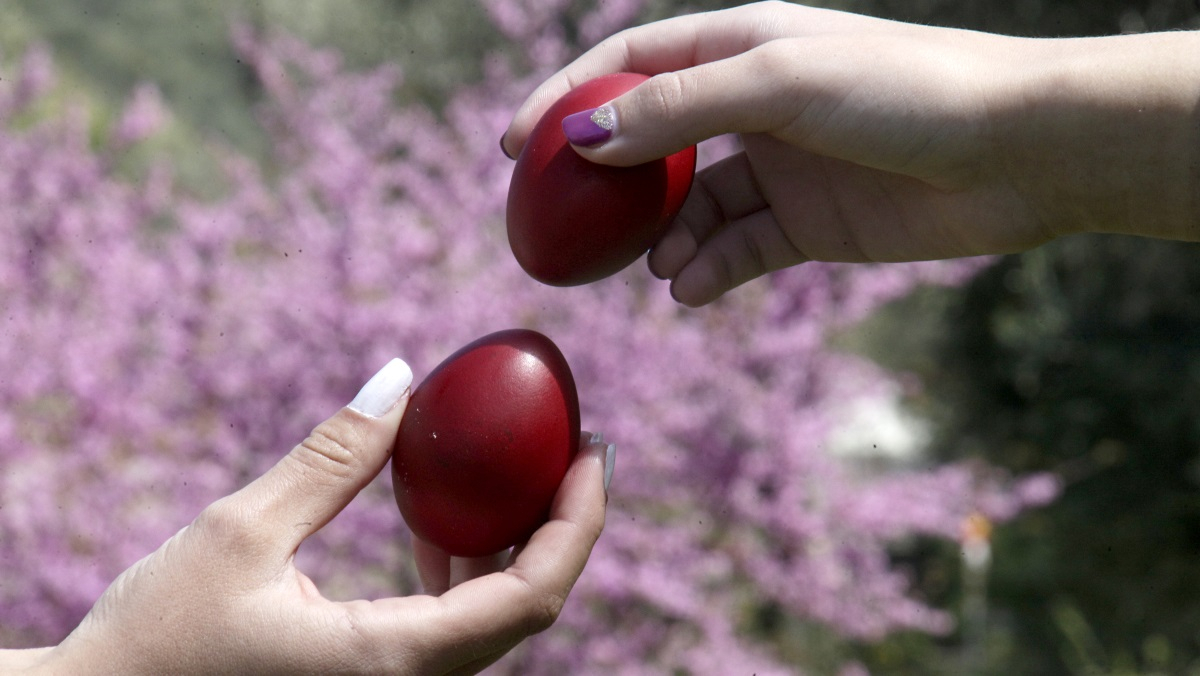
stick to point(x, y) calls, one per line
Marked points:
point(1103, 134)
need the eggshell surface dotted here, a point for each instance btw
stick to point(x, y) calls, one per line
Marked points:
point(485, 442)
point(571, 221)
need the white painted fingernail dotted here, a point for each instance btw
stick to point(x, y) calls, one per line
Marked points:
point(610, 461)
point(384, 390)
point(598, 438)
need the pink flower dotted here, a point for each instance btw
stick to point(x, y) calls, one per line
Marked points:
point(143, 116)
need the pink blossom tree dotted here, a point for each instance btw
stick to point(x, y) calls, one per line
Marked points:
point(158, 351)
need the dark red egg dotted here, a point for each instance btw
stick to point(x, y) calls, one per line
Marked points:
point(571, 221)
point(485, 442)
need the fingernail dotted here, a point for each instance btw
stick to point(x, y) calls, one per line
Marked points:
point(610, 461)
point(384, 390)
point(503, 149)
point(597, 438)
point(590, 128)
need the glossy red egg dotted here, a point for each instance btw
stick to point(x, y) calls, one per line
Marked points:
point(485, 442)
point(571, 221)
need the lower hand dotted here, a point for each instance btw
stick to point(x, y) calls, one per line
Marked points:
point(224, 595)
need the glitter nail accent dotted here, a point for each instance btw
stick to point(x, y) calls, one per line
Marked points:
point(603, 118)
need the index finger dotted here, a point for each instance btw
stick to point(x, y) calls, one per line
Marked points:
point(492, 613)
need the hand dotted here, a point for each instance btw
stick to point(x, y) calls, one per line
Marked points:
point(872, 140)
point(224, 596)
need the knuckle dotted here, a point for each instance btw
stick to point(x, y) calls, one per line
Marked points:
point(755, 258)
point(595, 528)
point(221, 516)
point(667, 95)
point(616, 45)
point(541, 609)
point(224, 522)
point(546, 607)
point(772, 59)
point(722, 270)
point(352, 641)
point(329, 448)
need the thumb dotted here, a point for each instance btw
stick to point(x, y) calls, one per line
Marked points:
point(322, 474)
point(672, 111)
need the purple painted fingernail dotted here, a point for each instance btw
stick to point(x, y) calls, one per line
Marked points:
point(589, 128)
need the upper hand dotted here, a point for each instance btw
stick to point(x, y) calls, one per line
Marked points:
point(869, 140)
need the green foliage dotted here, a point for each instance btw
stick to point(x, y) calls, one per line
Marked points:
point(105, 48)
point(439, 45)
point(109, 46)
point(1084, 357)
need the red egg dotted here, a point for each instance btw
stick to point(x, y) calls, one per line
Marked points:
point(485, 442)
point(571, 221)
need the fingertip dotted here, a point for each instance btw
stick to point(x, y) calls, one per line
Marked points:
point(694, 288)
point(687, 301)
point(512, 142)
point(583, 490)
point(610, 465)
point(626, 150)
point(596, 442)
point(387, 390)
point(672, 252)
point(621, 133)
point(589, 463)
point(590, 128)
point(433, 566)
point(666, 114)
point(504, 148)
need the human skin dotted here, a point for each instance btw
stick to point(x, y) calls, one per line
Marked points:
point(224, 595)
point(872, 140)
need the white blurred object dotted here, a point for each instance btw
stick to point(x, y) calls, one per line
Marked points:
point(878, 426)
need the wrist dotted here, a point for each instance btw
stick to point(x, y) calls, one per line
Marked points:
point(1101, 134)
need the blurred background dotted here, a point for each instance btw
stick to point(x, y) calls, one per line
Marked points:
point(1081, 358)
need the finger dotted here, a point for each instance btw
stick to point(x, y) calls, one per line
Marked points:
point(674, 110)
point(683, 43)
point(722, 192)
point(463, 569)
point(495, 612)
point(668, 45)
point(319, 477)
point(439, 571)
point(746, 249)
point(586, 439)
point(433, 566)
